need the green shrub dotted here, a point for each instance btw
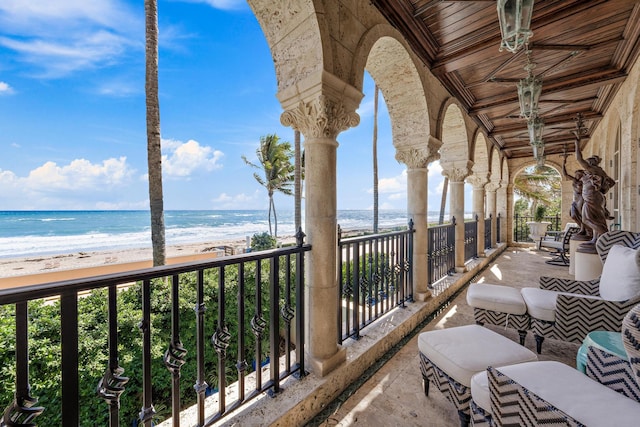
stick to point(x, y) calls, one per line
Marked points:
point(262, 241)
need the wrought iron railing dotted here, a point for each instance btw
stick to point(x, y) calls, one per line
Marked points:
point(498, 228)
point(521, 229)
point(470, 239)
point(487, 232)
point(253, 302)
point(441, 256)
point(375, 276)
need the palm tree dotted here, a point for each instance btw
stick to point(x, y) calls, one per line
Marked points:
point(154, 155)
point(274, 157)
point(375, 159)
point(539, 185)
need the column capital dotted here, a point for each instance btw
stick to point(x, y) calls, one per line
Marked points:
point(492, 186)
point(456, 171)
point(320, 117)
point(478, 181)
point(419, 157)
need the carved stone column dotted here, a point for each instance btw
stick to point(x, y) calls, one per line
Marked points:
point(478, 183)
point(501, 208)
point(457, 171)
point(491, 210)
point(509, 224)
point(320, 119)
point(417, 160)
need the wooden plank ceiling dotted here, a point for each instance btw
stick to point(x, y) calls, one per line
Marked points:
point(582, 50)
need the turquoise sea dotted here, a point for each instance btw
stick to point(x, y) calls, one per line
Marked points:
point(27, 233)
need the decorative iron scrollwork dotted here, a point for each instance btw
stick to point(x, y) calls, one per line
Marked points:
point(287, 313)
point(221, 340)
point(21, 412)
point(258, 325)
point(174, 357)
point(111, 385)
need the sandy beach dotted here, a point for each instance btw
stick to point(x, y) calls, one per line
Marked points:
point(49, 268)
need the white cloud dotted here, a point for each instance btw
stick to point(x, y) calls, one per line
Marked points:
point(396, 184)
point(61, 37)
point(80, 174)
point(182, 159)
point(5, 89)
point(435, 169)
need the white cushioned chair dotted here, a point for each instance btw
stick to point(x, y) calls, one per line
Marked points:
point(568, 310)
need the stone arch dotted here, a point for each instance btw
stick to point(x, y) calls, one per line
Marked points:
point(383, 53)
point(496, 166)
point(480, 157)
point(453, 133)
point(298, 39)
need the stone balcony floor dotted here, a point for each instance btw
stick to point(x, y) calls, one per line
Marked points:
point(393, 394)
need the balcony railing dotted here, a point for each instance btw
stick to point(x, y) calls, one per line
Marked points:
point(498, 228)
point(375, 276)
point(441, 256)
point(470, 239)
point(210, 319)
point(487, 232)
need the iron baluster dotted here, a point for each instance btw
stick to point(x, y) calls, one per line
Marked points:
point(174, 355)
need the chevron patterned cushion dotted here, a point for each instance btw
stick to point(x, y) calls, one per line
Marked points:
point(571, 392)
point(620, 279)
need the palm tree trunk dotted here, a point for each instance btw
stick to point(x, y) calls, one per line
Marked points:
point(270, 208)
point(275, 223)
point(297, 184)
point(375, 159)
point(154, 155)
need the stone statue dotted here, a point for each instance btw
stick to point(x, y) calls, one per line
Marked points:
point(595, 184)
point(576, 206)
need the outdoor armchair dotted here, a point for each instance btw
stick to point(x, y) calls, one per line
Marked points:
point(568, 310)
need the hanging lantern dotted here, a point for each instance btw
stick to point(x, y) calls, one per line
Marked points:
point(536, 126)
point(538, 150)
point(515, 23)
point(529, 91)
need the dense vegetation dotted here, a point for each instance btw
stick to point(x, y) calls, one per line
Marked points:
point(44, 344)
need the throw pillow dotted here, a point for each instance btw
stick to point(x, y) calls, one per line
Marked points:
point(620, 279)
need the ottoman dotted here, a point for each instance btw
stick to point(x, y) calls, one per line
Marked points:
point(499, 305)
point(548, 393)
point(450, 357)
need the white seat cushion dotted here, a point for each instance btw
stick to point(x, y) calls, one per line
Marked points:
point(553, 244)
point(463, 351)
point(620, 279)
point(504, 299)
point(584, 399)
point(541, 303)
point(480, 391)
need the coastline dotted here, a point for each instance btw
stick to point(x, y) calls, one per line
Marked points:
point(48, 268)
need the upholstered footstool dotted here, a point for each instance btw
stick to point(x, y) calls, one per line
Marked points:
point(450, 357)
point(547, 393)
point(499, 305)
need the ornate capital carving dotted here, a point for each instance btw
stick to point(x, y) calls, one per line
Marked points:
point(415, 158)
point(456, 171)
point(476, 181)
point(320, 118)
point(492, 187)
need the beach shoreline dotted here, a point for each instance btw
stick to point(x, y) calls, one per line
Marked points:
point(47, 268)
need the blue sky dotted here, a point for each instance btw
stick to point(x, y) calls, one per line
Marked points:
point(72, 112)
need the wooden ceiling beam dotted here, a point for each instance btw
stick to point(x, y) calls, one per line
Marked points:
point(550, 121)
point(586, 81)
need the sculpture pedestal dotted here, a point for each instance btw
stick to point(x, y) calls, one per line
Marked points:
point(588, 266)
point(573, 245)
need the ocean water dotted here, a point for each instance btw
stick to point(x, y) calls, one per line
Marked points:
point(29, 233)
